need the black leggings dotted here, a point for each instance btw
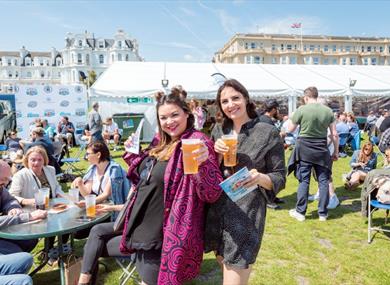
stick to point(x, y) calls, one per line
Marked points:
point(104, 242)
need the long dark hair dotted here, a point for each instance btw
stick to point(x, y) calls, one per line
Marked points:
point(166, 146)
point(250, 106)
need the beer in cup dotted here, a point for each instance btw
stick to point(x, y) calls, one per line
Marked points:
point(189, 159)
point(46, 194)
point(39, 200)
point(230, 157)
point(90, 205)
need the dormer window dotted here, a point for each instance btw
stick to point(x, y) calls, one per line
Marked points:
point(101, 59)
point(80, 43)
point(120, 44)
point(101, 44)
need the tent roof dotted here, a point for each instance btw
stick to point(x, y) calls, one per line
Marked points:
point(133, 79)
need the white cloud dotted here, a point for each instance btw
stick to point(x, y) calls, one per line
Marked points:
point(187, 11)
point(310, 25)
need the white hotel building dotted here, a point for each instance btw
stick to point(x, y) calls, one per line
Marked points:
point(82, 54)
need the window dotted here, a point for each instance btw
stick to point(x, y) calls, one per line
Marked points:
point(119, 57)
point(304, 48)
point(348, 48)
point(293, 60)
point(28, 74)
point(256, 60)
point(72, 58)
point(112, 58)
point(87, 59)
point(341, 48)
point(58, 60)
point(246, 45)
point(101, 59)
point(42, 74)
point(316, 60)
point(80, 43)
point(79, 58)
point(374, 48)
point(10, 74)
point(319, 47)
point(253, 45)
point(273, 47)
point(369, 49)
point(352, 61)
point(362, 48)
point(9, 62)
point(16, 74)
point(284, 60)
point(373, 61)
point(306, 60)
point(247, 59)
point(381, 49)
point(365, 61)
point(334, 61)
point(326, 61)
point(344, 61)
point(119, 44)
point(41, 62)
point(274, 60)
point(127, 57)
point(295, 47)
point(311, 47)
point(15, 62)
point(334, 48)
point(282, 47)
point(289, 47)
point(101, 44)
point(326, 48)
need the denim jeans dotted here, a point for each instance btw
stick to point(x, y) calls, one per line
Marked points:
point(303, 175)
point(14, 268)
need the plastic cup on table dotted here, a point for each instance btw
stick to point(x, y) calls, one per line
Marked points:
point(39, 200)
point(90, 205)
point(189, 159)
point(46, 193)
point(74, 195)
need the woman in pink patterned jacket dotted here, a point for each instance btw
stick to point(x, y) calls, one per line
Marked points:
point(164, 225)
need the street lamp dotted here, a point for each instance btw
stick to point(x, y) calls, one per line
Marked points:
point(352, 82)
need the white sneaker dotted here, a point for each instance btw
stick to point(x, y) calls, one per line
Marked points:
point(323, 218)
point(333, 202)
point(314, 197)
point(294, 214)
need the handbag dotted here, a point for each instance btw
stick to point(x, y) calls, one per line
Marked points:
point(120, 219)
point(72, 269)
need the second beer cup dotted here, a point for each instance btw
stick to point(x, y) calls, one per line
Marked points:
point(189, 159)
point(90, 205)
point(46, 193)
point(230, 157)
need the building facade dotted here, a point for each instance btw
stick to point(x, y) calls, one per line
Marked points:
point(82, 54)
point(296, 49)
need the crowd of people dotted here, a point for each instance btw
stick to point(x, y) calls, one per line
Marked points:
point(172, 218)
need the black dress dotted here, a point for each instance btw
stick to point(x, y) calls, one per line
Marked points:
point(235, 229)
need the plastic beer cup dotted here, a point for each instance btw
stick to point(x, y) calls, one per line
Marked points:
point(189, 159)
point(230, 157)
point(39, 200)
point(90, 205)
point(74, 195)
point(46, 194)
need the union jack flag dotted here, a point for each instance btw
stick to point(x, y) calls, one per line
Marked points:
point(296, 25)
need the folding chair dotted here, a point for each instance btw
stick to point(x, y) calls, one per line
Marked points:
point(127, 264)
point(372, 206)
point(355, 142)
point(70, 162)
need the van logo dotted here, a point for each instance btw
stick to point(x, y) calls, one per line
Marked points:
point(49, 113)
point(47, 89)
point(32, 104)
point(64, 103)
point(78, 89)
point(63, 91)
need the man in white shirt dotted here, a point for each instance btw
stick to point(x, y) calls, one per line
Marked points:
point(111, 132)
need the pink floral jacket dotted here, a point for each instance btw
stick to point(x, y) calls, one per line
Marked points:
point(185, 197)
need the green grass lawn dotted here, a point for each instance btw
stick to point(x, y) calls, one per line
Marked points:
point(292, 252)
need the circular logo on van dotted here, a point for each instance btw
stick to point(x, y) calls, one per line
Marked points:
point(31, 91)
point(78, 89)
point(64, 103)
point(47, 89)
point(32, 104)
point(63, 91)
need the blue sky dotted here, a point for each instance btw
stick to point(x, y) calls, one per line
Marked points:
point(183, 31)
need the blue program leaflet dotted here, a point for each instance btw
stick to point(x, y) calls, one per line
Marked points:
point(231, 185)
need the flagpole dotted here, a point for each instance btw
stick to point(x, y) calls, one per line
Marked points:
point(301, 38)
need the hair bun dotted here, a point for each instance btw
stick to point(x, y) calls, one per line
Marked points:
point(158, 95)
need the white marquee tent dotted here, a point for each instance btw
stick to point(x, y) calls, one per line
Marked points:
point(124, 80)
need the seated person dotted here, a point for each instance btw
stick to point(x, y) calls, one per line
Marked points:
point(384, 141)
point(36, 174)
point(363, 161)
point(87, 136)
point(111, 132)
point(104, 178)
point(66, 130)
point(12, 142)
point(352, 126)
point(39, 140)
point(49, 131)
point(11, 214)
point(14, 268)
